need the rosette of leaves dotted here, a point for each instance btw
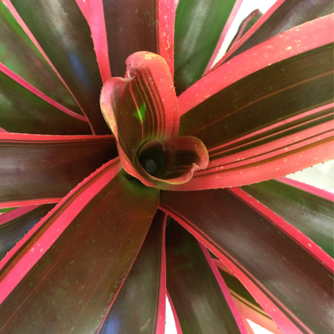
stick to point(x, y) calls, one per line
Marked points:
point(125, 156)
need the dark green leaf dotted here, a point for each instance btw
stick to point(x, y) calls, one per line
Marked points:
point(21, 56)
point(64, 35)
point(198, 26)
point(311, 214)
point(14, 230)
point(24, 112)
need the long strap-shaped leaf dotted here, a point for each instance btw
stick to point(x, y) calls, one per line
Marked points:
point(198, 26)
point(68, 269)
point(287, 273)
point(28, 110)
point(144, 288)
point(245, 303)
point(131, 26)
point(63, 33)
point(311, 214)
point(21, 56)
point(197, 296)
point(43, 169)
point(15, 224)
point(243, 138)
point(283, 15)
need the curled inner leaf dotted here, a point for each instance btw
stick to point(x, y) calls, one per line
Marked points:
point(142, 111)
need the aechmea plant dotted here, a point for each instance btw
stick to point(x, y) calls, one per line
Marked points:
point(132, 168)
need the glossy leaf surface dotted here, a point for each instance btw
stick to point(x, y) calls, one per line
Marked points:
point(63, 33)
point(36, 115)
point(311, 214)
point(140, 304)
point(14, 230)
point(36, 167)
point(283, 15)
point(282, 272)
point(286, 88)
point(198, 26)
point(242, 137)
point(196, 295)
point(19, 54)
point(84, 248)
point(131, 27)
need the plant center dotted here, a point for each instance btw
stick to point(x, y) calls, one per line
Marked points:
point(153, 160)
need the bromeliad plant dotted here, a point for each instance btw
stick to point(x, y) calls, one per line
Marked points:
point(86, 248)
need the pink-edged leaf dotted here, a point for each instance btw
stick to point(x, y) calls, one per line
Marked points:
point(294, 42)
point(245, 142)
point(176, 318)
point(145, 102)
point(68, 269)
point(235, 286)
point(287, 273)
point(140, 304)
point(21, 56)
point(198, 27)
point(309, 213)
point(248, 312)
point(15, 224)
point(83, 7)
point(245, 25)
point(131, 27)
point(33, 90)
point(96, 21)
point(197, 296)
point(26, 109)
point(166, 20)
point(245, 303)
point(283, 15)
point(64, 35)
point(35, 167)
point(223, 288)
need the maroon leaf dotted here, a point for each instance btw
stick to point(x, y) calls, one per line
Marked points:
point(197, 296)
point(41, 169)
point(131, 26)
point(145, 287)
point(287, 274)
point(72, 264)
point(248, 144)
point(283, 15)
point(147, 104)
point(245, 25)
